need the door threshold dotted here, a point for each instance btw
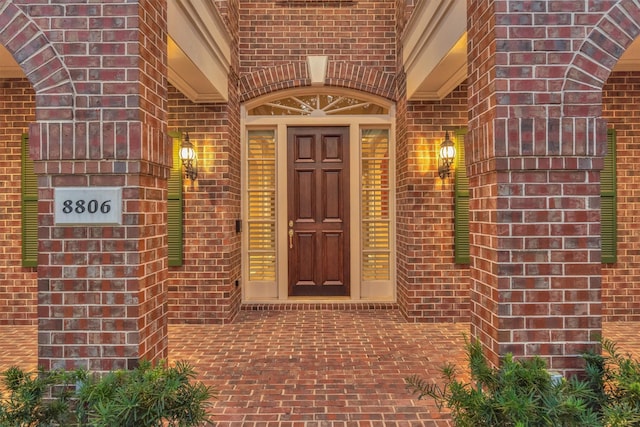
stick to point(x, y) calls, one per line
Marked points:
point(312, 305)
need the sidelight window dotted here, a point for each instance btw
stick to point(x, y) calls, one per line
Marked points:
point(376, 219)
point(261, 210)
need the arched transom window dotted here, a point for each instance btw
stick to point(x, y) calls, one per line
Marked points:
point(317, 105)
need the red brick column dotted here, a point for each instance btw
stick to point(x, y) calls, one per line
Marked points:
point(534, 153)
point(535, 276)
point(101, 106)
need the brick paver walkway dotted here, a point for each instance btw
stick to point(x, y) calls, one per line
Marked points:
point(319, 368)
point(312, 368)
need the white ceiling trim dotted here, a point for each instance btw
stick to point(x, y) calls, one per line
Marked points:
point(434, 48)
point(199, 50)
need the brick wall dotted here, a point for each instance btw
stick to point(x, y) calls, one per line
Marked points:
point(277, 36)
point(203, 290)
point(207, 288)
point(431, 287)
point(621, 281)
point(18, 297)
point(282, 32)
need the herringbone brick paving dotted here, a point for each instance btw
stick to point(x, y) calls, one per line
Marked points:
point(312, 368)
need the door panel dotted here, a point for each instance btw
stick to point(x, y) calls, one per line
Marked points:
point(305, 245)
point(332, 190)
point(333, 259)
point(304, 196)
point(318, 211)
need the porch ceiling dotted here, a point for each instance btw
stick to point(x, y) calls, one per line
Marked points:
point(434, 48)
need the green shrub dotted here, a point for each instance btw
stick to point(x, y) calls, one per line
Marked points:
point(36, 398)
point(615, 378)
point(148, 396)
point(519, 393)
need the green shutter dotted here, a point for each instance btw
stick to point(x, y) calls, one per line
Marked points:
point(174, 207)
point(608, 221)
point(29, 186)
point(461, 210)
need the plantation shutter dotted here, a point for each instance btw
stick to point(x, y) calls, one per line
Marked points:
point(375, 205)
point(29, 207)
point(461, 209)
point(174, 207)
point(608, 221)
point(261, 205)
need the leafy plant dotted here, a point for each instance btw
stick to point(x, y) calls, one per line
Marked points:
point(147, 396)
point(615, 378)
point(36, 398)
point(519, 393)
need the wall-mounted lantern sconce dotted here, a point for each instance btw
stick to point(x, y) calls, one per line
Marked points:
point(446, 154)
point(189, 158)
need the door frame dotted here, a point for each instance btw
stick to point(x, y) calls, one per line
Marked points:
point(263, 292)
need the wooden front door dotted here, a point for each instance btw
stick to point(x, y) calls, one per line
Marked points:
point(318, 211)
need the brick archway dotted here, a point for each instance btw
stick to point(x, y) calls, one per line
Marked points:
point(40, 62)
point(289, 76)
point(592, 87)
point(590, 67)
point(46, 100)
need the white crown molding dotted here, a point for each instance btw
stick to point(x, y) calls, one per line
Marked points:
point(185, 76)
point(200, 34)
point(443, 88)
point(433, 31)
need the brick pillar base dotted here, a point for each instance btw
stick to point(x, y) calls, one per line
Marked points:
point(535, 233)
point(102, 292)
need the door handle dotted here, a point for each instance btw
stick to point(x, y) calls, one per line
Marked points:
point(290, 234)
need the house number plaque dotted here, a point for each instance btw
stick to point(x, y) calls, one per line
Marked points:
point(88, 205)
